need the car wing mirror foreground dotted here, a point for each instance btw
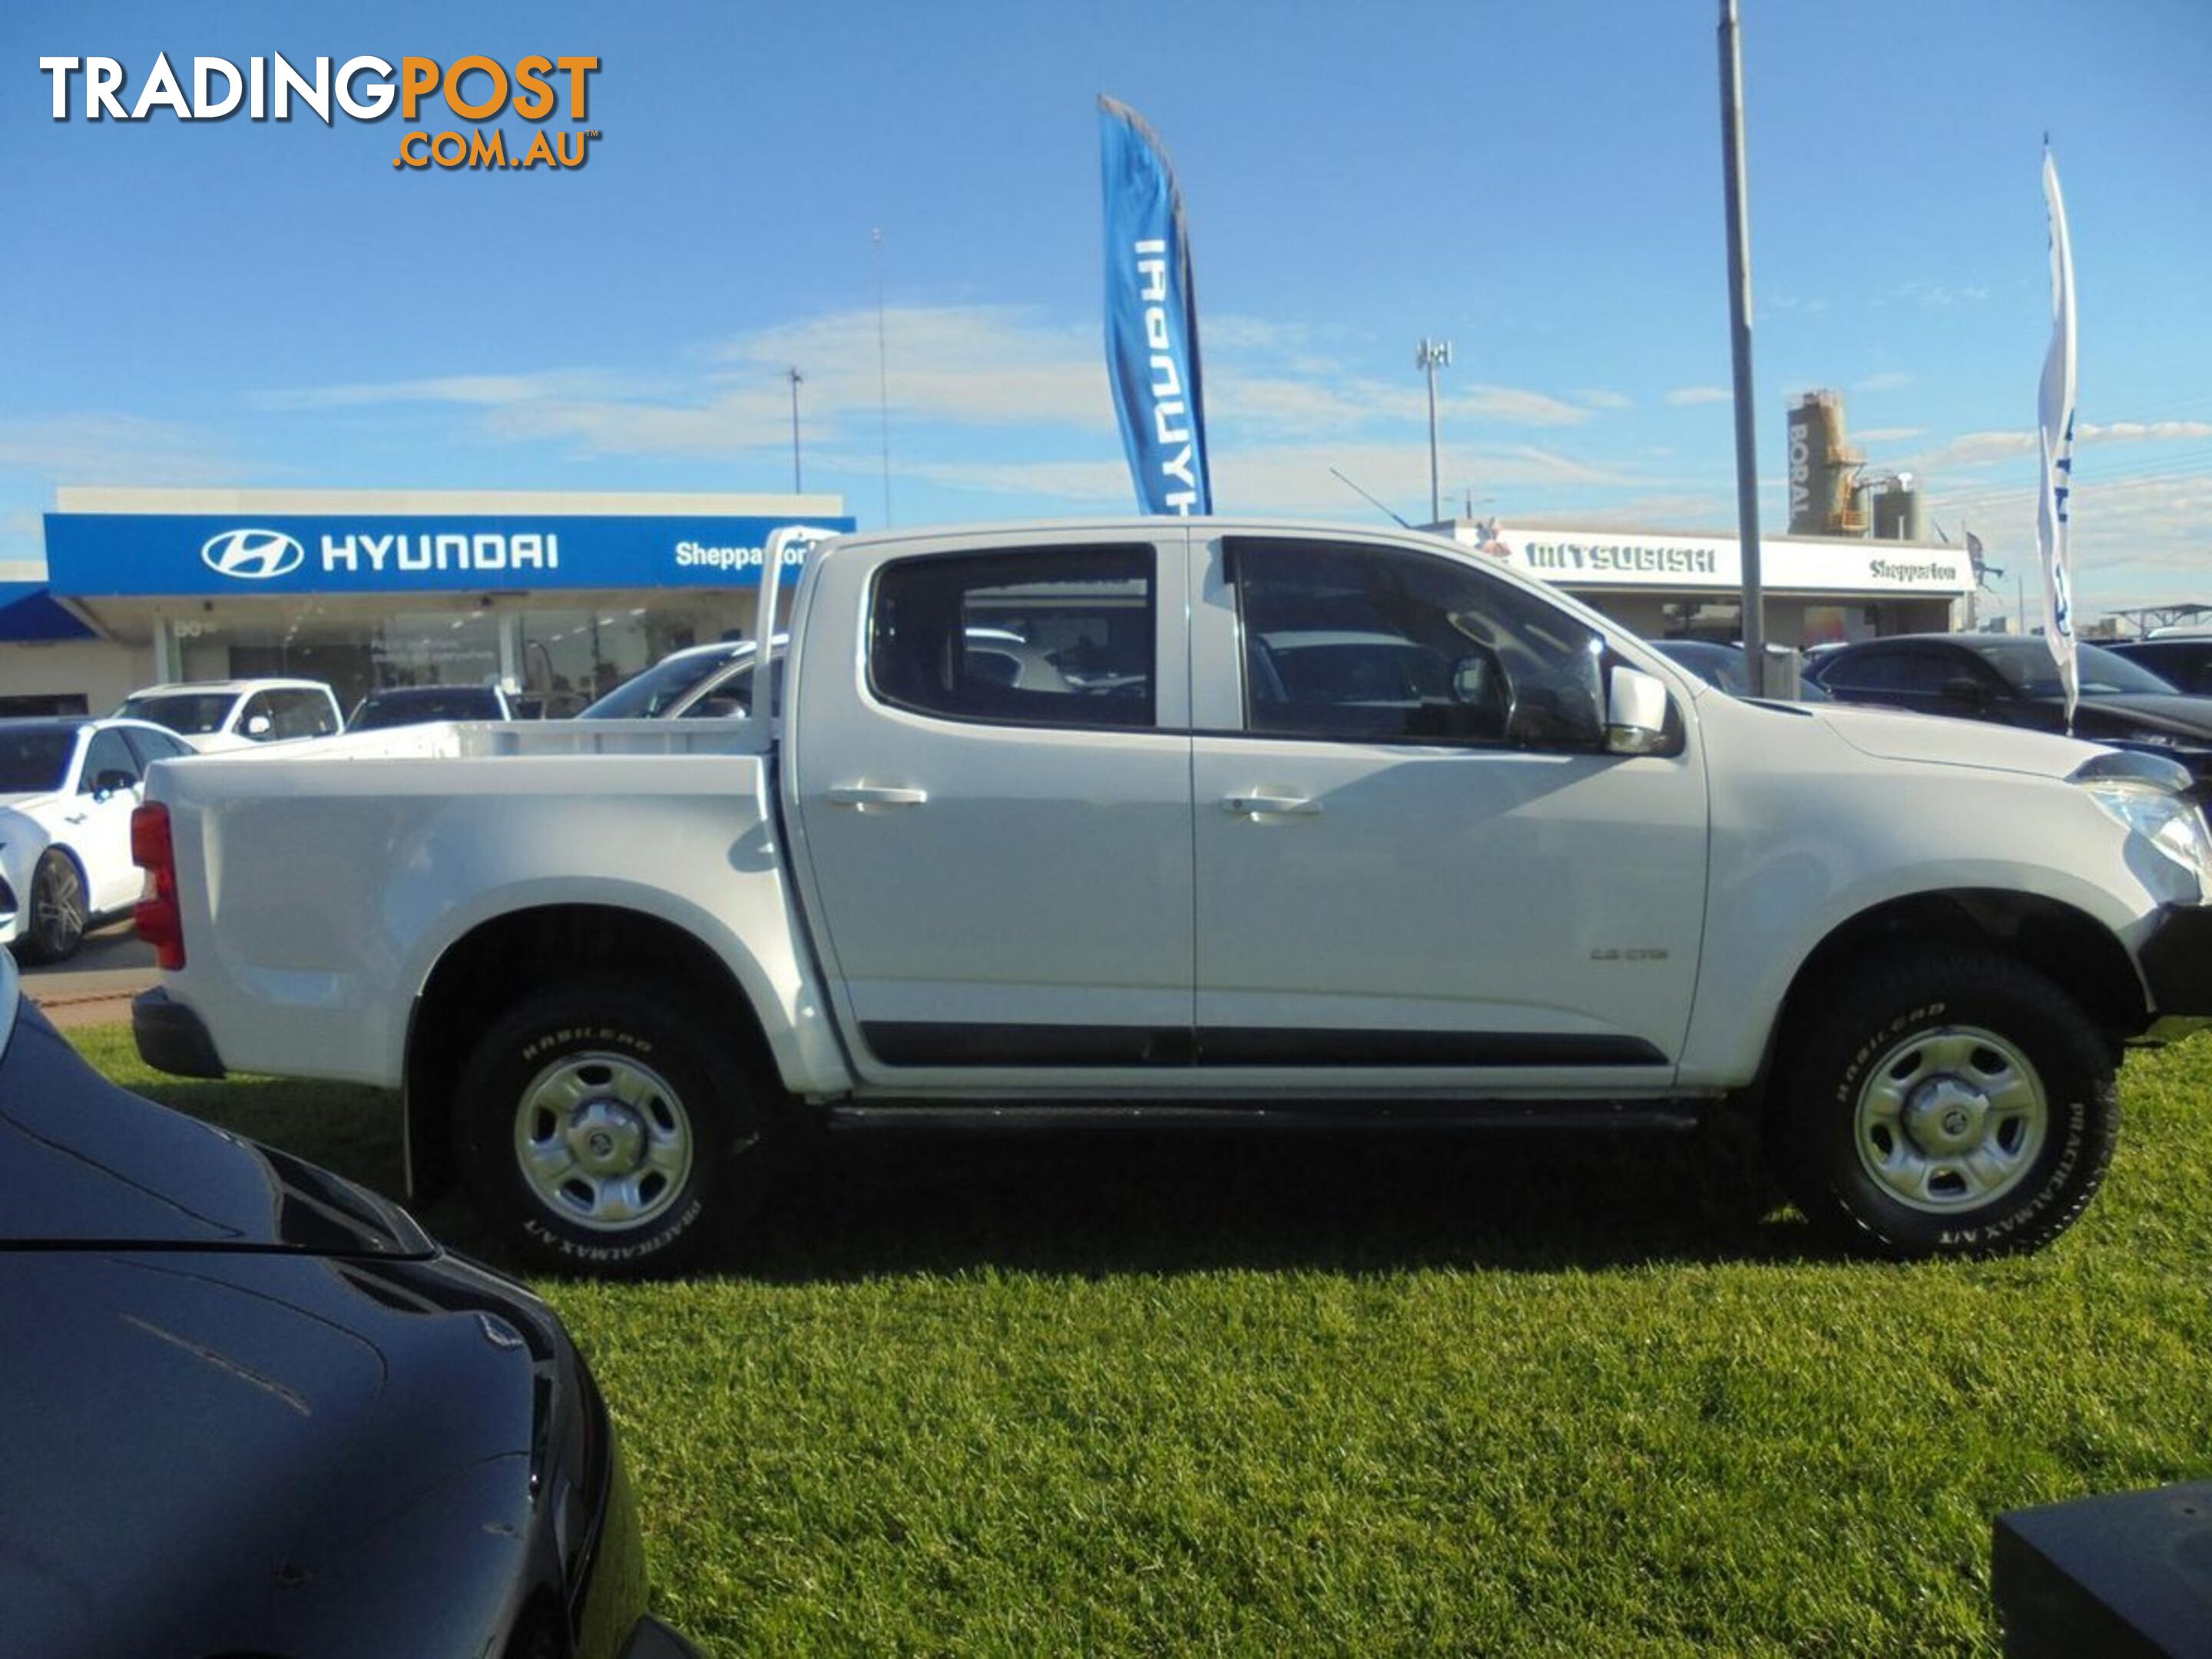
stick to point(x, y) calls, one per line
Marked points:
point(1636, 705)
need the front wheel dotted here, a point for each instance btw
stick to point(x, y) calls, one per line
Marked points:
point(1949, 1103)
point(603, 1131)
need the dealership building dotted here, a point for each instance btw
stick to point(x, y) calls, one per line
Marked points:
point(1818, 589)
point(560, 596)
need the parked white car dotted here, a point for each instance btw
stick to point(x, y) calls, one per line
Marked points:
point(67, 786)
point(213, 715)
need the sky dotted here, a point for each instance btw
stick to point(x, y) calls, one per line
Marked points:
point(258, 304)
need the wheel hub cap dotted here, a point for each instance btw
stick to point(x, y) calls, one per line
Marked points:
point(603, 1141)
point(1950, 1119)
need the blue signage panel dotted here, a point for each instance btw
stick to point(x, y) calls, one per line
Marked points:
point(115, 555)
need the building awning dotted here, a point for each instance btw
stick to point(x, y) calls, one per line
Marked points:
point(29, 612)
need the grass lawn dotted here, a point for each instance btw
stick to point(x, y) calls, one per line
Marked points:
point(1315, 1395)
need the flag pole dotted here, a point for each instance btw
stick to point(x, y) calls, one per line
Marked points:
point(1738, 264)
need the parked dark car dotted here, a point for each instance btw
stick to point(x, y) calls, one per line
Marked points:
point(2185, 662)
point(1722, 665)
point(255, 1409)
point(2013, 680)
point(420, 705)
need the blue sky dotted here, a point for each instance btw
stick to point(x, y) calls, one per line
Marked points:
point(256, 304)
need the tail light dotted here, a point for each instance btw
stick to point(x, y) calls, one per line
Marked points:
point(160, 921)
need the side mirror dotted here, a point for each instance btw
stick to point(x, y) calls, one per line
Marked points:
point(257, 726)
point(112, 783)
point(1635, 714)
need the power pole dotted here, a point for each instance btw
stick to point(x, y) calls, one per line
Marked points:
point(883, 375)
point(1738, 265)
point(1430, 356)
point(796, 378)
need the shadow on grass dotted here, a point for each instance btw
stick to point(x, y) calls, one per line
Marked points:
point(1088, 1202)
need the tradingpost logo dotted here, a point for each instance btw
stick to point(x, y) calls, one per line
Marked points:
point(471, 90)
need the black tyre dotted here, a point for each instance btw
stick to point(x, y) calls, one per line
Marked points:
point(1953, 1101)
point(53, 923)
point(602, 1130)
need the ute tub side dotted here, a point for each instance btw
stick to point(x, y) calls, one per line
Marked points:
point(319, 896)
point(1812, 838)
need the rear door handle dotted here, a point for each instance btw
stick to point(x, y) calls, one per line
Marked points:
point(876, 794)
point(1257, 806)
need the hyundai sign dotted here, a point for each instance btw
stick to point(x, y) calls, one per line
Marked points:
point(118, 555)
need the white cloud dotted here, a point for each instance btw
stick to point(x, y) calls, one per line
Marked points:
point(1602, 397)
point(1688, 397)
point(1975, 449)
point(1889, 434)
point(109, 449)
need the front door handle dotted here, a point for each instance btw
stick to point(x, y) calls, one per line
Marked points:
point(865, 795)
point(1255, 806)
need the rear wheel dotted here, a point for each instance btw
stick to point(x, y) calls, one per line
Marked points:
point(53, 927)
point(605, 1131)
point(1951, 1103)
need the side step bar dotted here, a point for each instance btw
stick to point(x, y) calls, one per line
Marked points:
point(1273, 1117)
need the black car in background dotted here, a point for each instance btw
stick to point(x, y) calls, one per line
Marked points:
point(2185, 662)
point(2012, 680)
point(254, 1409)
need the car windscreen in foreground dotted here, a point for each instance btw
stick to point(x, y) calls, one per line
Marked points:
point(194, 714)
point(33, 763)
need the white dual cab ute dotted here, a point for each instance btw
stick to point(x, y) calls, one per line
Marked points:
point(1225, 820)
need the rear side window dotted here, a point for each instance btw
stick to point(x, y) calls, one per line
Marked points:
point(306, 715)
point(1042, 636)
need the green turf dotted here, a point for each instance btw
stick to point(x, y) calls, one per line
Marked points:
point(1310, 1395)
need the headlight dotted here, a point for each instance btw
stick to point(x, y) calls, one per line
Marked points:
point(2168, 821)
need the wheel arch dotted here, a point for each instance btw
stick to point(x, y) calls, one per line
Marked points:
point(505, 958)
point(2066, 946)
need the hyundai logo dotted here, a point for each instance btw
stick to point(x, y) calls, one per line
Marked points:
point(252, 555)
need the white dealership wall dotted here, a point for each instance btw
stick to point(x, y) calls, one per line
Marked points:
point(1817, 588)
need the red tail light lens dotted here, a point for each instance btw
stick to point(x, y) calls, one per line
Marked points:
point(160, 921)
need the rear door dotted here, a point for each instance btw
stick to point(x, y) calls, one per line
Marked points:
point(999, 866)
point(1416, 864)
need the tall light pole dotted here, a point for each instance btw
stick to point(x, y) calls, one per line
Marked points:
point(883, 375)
point(1430, 356)
point(1739, 271)
point(796, 378)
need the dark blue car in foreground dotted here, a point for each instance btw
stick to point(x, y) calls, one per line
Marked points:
point(252, 1408)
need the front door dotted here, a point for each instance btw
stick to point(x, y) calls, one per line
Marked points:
point(1415, 860)
point(994, 792)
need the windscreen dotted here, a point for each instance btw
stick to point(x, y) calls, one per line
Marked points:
point(2028, 668)
point(194, 714)
point(459, 702)
point(644, 696)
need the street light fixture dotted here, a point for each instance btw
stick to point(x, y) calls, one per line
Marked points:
point(1430, 356)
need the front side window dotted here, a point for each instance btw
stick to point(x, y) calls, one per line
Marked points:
point(106, 761)
point(1047, 636)
point(1379, 645)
